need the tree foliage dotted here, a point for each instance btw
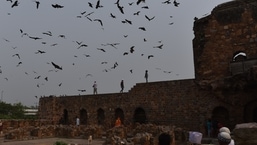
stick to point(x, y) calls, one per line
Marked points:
point(12, 111)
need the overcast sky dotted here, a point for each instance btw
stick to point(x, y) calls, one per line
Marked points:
point(73, 38)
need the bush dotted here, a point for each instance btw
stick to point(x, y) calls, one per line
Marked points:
point(60, 143)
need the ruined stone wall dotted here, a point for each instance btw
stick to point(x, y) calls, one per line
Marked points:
point(230, 28)
point(214, 93)
point(180, 103)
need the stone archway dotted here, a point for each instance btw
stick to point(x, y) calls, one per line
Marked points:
point(250, 111)
point(139, 115)
point(100, 116)
point(221, 115)
point(83, 116)
point(65, 119)
point(119, 113)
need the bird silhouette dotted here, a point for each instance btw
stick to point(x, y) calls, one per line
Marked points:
point(57, 6)
point(62, 36)
point(82, 90)
point(90, 4)
point(56, 66)
point(128, 21)
point(37, 4)
point(139, 1)
point(35, 38)
point(16, 55)
point(125, 53)
point(167, 2)
point(100, 21)
point(19, 64)
point(15, 4)
point(142, 28)
point(98, 5)
point(136, 13)
point(49, 33)
point(112, 15)
point(40, 51)
point(175, 3)
point(82, 45)
point(145, 7)
point(132, 49)
point(159, 46)
point(101, 49)
point(149, 56)
point(149, 19)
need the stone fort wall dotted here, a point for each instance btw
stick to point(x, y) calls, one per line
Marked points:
point(215, 93)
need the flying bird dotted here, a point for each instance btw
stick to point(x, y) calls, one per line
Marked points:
point(82, 90)
point(101, 49)
point(98, 5)
point(16, 3)
point(167, 2)
point(56, 66)
point(132, 49)
point(175, 3)
point(39, 51)
point(139, 1)
point(160, 46)
point(37, 3)
point(149, 19)
point(142, 28)
point(90, 4)
point(82, 45)
point(35, 38)
point(149, 56)
point(145, 7)
point(49, 33)
point(16, 55)
point(112, 15)
point(136, 13)
point(100, 21)
point(57, 6)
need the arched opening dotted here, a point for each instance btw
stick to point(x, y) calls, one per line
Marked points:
point(119, 113)
point(255, 114)
point(100, 116)
point(139, 115)
point(239, 56)
point(83, 116)
point(250, 111)
point(65, 117)
point(220, 117)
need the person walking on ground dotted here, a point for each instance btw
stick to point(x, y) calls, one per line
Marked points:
point(121, 86)
point(209, 127)
point(95, 88)
point(146, 76)
point(77, 121)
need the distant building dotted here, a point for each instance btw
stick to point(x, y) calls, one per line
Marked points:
point(31, 112)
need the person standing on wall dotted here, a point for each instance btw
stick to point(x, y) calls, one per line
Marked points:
point(95, 88)
point(146, 76)
point(121, 86)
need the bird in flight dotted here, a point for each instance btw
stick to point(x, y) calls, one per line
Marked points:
point(160, 46)
point(57, 6)
point(35, 38)
point(139, 1)
point(100, 21)
point(37, 3)
point(142, 28)
point(149, 19)
point(16, 55)
point(101, 49)
point(56, 66)
point(40, 51)
point(149, 56)
point(175, 3)
point(16, 3)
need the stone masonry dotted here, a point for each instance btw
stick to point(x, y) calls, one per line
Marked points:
point(216, 92)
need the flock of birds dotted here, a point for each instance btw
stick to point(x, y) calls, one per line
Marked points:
point(79, 45)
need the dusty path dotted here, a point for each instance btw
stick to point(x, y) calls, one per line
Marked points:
point(51, 141)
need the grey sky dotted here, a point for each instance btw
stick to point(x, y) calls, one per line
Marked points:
point(19, 83)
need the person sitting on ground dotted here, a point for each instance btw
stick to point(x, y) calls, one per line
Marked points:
point(164, 139)
point(224, 138)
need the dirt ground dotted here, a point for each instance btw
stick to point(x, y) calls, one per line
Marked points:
point(51, 141)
